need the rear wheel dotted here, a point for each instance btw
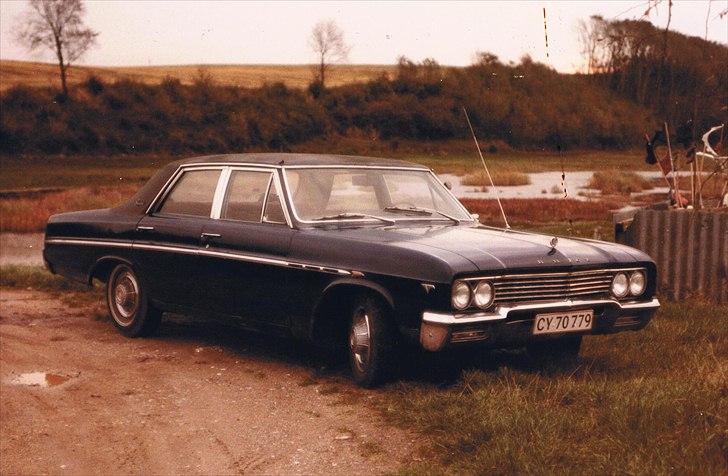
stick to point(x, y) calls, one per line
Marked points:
point(127, 301)
point(560, 350)
point(371, 342)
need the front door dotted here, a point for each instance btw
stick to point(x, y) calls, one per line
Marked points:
point(243, 253)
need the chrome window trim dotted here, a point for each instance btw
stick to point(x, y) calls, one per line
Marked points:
point(281, 200)
point(289, 196)
point(223, 166)
point(220, 191)
point(342, 166)
point(226, 186)
point(169, 185)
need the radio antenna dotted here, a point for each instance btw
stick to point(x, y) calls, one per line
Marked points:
point(477, 146)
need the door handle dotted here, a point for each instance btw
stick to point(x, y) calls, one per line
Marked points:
point(144, 228)
point(209, 235)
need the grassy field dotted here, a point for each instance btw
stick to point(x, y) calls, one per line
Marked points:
point(65, 171)
point(650, 402)
point(241, 75)
point(96, 182)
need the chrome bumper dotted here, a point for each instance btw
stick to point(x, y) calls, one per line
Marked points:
point(438, 328)
point(501, 313)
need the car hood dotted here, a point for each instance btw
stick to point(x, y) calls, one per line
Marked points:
point(491, 249)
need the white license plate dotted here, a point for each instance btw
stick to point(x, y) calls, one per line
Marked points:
point(558, 322)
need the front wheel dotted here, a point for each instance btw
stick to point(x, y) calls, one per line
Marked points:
point(560, 350)
point(371, 342)
point(127, 301)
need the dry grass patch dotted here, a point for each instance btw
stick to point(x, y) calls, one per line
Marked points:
point(527, 211)
point(619, 183)
point(503, 179)
point(26, 215)
point(651, 402)
point(241, 75)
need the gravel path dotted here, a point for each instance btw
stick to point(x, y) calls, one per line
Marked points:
point(195, 399)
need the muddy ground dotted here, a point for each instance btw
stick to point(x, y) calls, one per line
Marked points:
point(197, 398)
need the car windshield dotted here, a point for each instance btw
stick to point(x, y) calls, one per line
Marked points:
point(386, 195)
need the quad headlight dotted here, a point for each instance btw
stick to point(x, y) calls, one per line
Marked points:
point(464, 294)
point(637, 283)
point(631, 283)
point(620, 285)
point(483, 294)
point(461, 295)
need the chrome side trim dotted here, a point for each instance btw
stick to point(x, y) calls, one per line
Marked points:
point(502, 312)
point(199, 252)
point(87, 242)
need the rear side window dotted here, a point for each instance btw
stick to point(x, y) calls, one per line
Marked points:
point(192, 194)
point(245, 195)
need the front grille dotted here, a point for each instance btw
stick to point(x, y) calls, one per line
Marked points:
point(547, 286)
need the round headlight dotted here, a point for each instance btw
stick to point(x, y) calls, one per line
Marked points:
point(620, 285)
point(483, 295)
point(637, 283)
point(460, 295)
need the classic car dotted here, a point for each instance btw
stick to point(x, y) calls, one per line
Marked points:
point(369, 256)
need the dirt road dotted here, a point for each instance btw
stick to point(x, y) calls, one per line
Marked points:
point(195, 399)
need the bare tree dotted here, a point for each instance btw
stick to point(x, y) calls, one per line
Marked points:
point(57, 25)
point(327, 41)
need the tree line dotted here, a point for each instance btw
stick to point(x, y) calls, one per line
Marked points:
point(638, 76)
point(523, 105)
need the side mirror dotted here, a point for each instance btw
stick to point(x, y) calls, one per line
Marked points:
point(448, 185)
point(475, 217)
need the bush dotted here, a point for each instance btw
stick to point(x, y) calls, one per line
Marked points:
point(523, 105)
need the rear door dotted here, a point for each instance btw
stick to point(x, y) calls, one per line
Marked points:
point(168, 239)
point(244, 250)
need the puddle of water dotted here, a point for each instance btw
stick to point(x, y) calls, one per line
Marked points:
point(39, 379)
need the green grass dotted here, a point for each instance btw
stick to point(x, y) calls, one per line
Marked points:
point(36, 277)
point(73, 171)
point(528, 162)
point(651, 402)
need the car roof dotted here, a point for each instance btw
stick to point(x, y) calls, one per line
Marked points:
point(282, 159)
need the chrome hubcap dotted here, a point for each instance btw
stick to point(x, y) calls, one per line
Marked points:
point(125, 295)
point(360, 340)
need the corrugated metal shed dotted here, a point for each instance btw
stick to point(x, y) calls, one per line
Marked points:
point(689, 247)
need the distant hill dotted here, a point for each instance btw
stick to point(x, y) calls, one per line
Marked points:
point(32, 74)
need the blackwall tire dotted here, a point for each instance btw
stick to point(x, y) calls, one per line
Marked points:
point(371, 342)
point(128, 305)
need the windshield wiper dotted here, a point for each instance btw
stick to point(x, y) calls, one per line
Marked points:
point(340, 216)
point(421, 211)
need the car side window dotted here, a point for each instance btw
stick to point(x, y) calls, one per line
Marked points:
point(273, 207)
point(245, 195)
point(192, 194)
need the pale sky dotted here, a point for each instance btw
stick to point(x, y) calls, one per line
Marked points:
point(214, 32)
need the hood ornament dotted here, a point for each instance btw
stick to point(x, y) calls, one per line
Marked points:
point(554, 241)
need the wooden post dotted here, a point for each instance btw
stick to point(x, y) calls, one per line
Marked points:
point(672, 168)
